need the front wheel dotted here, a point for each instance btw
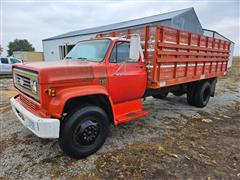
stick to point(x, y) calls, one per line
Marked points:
point(84, 131)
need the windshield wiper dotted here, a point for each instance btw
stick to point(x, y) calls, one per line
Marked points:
point(68, 57)
point(82, 58)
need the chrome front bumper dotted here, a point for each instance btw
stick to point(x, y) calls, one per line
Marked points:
point(41, 127)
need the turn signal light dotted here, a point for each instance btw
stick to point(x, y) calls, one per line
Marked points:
point(51, 92)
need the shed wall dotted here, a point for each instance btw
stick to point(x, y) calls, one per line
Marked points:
point(187, 21)
point(51, 48)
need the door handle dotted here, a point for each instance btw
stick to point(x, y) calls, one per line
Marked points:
point(139, 66)
point(117, 74)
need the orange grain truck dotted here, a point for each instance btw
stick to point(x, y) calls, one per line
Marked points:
point(104, 80)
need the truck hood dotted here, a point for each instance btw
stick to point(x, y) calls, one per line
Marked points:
point(65, 71)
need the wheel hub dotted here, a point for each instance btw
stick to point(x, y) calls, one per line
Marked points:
point(88, 132)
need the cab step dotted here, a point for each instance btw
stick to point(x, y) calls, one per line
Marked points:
point(128, 111)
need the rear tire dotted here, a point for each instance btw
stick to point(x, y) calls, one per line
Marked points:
point(161, 96)
point(202, 95)
point(191, 94)
point(84, 131)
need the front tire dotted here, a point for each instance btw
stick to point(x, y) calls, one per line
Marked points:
point(84, 131)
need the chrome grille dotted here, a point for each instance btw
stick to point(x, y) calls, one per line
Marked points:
point(22, 80)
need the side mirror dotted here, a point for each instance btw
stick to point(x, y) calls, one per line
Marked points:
point(134, 47)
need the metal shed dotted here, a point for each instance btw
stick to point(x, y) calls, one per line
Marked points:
point(57, 47)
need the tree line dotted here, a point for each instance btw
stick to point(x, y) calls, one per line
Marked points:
point(19, 45)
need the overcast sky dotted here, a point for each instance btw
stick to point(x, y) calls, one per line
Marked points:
point(40, 19)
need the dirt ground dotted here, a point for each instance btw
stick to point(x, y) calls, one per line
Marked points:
point(175, 141)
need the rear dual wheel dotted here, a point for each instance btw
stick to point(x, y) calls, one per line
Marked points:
point(190, 95)
point(84, 131)
point(198, 95)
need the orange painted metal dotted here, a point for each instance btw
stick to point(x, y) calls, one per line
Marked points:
point(72, 79)
point(171, 57)
point(174, 56)
point(184, 57)
point(69, 78)
point(128, 111)
point(33, 106)
point(125, 81)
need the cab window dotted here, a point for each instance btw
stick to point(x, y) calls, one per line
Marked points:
point(120, 52)
point(14, 61)
point(4, 60)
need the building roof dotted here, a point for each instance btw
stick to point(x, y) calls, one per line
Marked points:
point(125, 24)
point(215, 32)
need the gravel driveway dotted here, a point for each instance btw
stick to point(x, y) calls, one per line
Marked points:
point(174, 141)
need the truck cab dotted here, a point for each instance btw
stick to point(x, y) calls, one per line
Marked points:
point(122, 74)
point(99, 82)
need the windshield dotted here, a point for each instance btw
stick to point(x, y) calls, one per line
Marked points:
point(92, 50)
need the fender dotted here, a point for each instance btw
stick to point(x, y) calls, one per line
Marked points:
point(57, 103)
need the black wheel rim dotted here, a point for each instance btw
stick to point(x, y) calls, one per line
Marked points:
point(86, 132)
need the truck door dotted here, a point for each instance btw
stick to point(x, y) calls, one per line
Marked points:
point(126, 79)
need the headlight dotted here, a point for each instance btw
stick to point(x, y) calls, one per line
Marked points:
point(33, 84)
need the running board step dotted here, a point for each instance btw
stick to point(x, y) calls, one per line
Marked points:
point(131, 116)
point(128, 111)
